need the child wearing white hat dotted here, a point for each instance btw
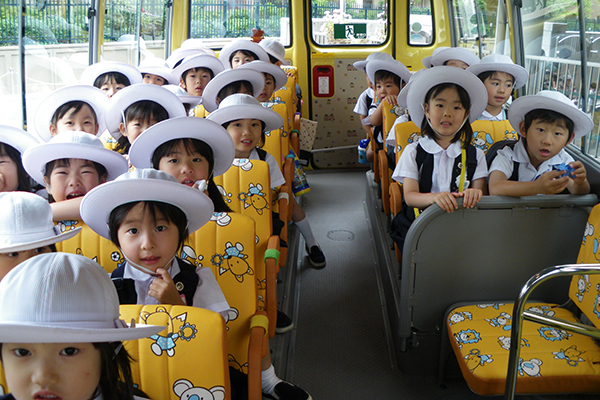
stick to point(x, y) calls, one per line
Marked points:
point(60, 332)
point(26, 229)
point(194, 72)
point(443, 165)
point(231, 81)
point(13, 142)
point(155, 71)
point(241, 51)
point(459, 57)
point(192, 150)
point(275, 77)
point(501, 76)
point(538, 163)
point(70, 165)
point(110, 77)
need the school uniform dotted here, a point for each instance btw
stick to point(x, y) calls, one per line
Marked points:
point(364, 102)
point(443, 164)
point(489, 117)
point(507, 158)
point(277, 178)
point(391, 138)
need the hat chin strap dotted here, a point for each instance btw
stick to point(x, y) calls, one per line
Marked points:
point(144, 269)
point(451, 135)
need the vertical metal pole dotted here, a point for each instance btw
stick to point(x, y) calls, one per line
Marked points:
point(168, 28)
point(224, 18)
point(478, 18)
point(138, 33)
point(22, 63)
point(93, 32)
point(583, 91)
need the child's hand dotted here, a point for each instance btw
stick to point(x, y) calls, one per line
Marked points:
point(446, 201)
point(163, 289)
point(470, 197)
point(391, 99)
point(579, 172)
point(550, 183)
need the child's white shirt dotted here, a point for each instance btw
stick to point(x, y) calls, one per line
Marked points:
point(504, 162)
point(443, 164)
point(361, 107)
point(208, 294)
point(277, 178)
point(489, 117)
point(391, 138)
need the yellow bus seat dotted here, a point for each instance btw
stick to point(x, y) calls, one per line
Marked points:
point(91, 245)
point(486, 133)
point(552, 360)
point(188, 358)
point(226, 244)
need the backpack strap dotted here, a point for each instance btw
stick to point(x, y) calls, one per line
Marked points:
point(425, 167)
point(262, 154)
point(125, 287)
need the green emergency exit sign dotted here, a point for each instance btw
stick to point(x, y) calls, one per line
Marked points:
point(350, 31)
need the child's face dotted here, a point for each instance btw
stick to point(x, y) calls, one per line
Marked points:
point(74, 180)
point(386, 87)
point(544, 140)
point(240, 58)
point(135, 128)
point(446, 112)
point(243, 90)
point(9, 176)
point(457, 64)
point(111, 87)
point(146, 242)
point(83, 121)
point(268, 89)
point(195, 81)
point(68, 371)
point(10, 260)
point(153, 79)
point(499, 87)
point(185, 167)
point(246, 135)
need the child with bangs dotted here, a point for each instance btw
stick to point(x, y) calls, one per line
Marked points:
point(232, 81)
point(240, 52)
point(110, 77)
point(13, 143)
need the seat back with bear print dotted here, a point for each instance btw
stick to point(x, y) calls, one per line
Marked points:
point(486, 133)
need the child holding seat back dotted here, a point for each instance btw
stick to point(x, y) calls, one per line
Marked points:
point(442, 166)
point(538, 163)
point(60, 332)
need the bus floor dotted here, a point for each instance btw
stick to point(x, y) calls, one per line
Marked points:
point(339, 347)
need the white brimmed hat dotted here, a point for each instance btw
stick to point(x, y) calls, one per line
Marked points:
point(144, 185)
point(197, 44)
point(198, 61)
point(267, 68)
point(427, 60)
point(454, 53)
point(404, 92)
point(393, 66)
point(89, 75)
point(183, 96)
point(210, 132)
point(242, 44)
point(17, 138)
point(362, 64)
point(158, 67)
point(72, 144)
point(431, 77)
point(26, 223)
point(179, 54)
point(88, 94)
point(63, 298)
point(209, 95)
point(118, 104)
point(502, 63)
point(554, 101)
point(243, 106)
point(274, 48)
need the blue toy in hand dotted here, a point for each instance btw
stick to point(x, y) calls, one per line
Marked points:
point(569, 171)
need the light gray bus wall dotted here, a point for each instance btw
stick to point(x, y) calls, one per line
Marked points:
point(482, 254)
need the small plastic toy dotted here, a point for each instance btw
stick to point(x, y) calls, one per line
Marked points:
point(569, 171)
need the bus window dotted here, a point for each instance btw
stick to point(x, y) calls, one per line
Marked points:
point(420, 23)
point(351, 22)
point(481, 26)
point(218, 19)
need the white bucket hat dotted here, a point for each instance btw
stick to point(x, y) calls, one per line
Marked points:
point(274, 48)
point(393, 66)
point(404, 92)
point(118, 104)
point(26, 223)
point(198, 61)
point(210, 132)
point(197, 44)
point(454, 53)
point(88, 94)
point(72, 145)
point(502, 63)
point(17, 138)
point(267, 68)
point(242, 106)
point(431, 77)
point(63, 298)
point(362, 64)
point(179, 54)
point(427, 60)
point(183, 96)
point(209, 95)
point(554, 101)
point(89, 75)
point(156, 66)
point(242, 44)
point(144, 185)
